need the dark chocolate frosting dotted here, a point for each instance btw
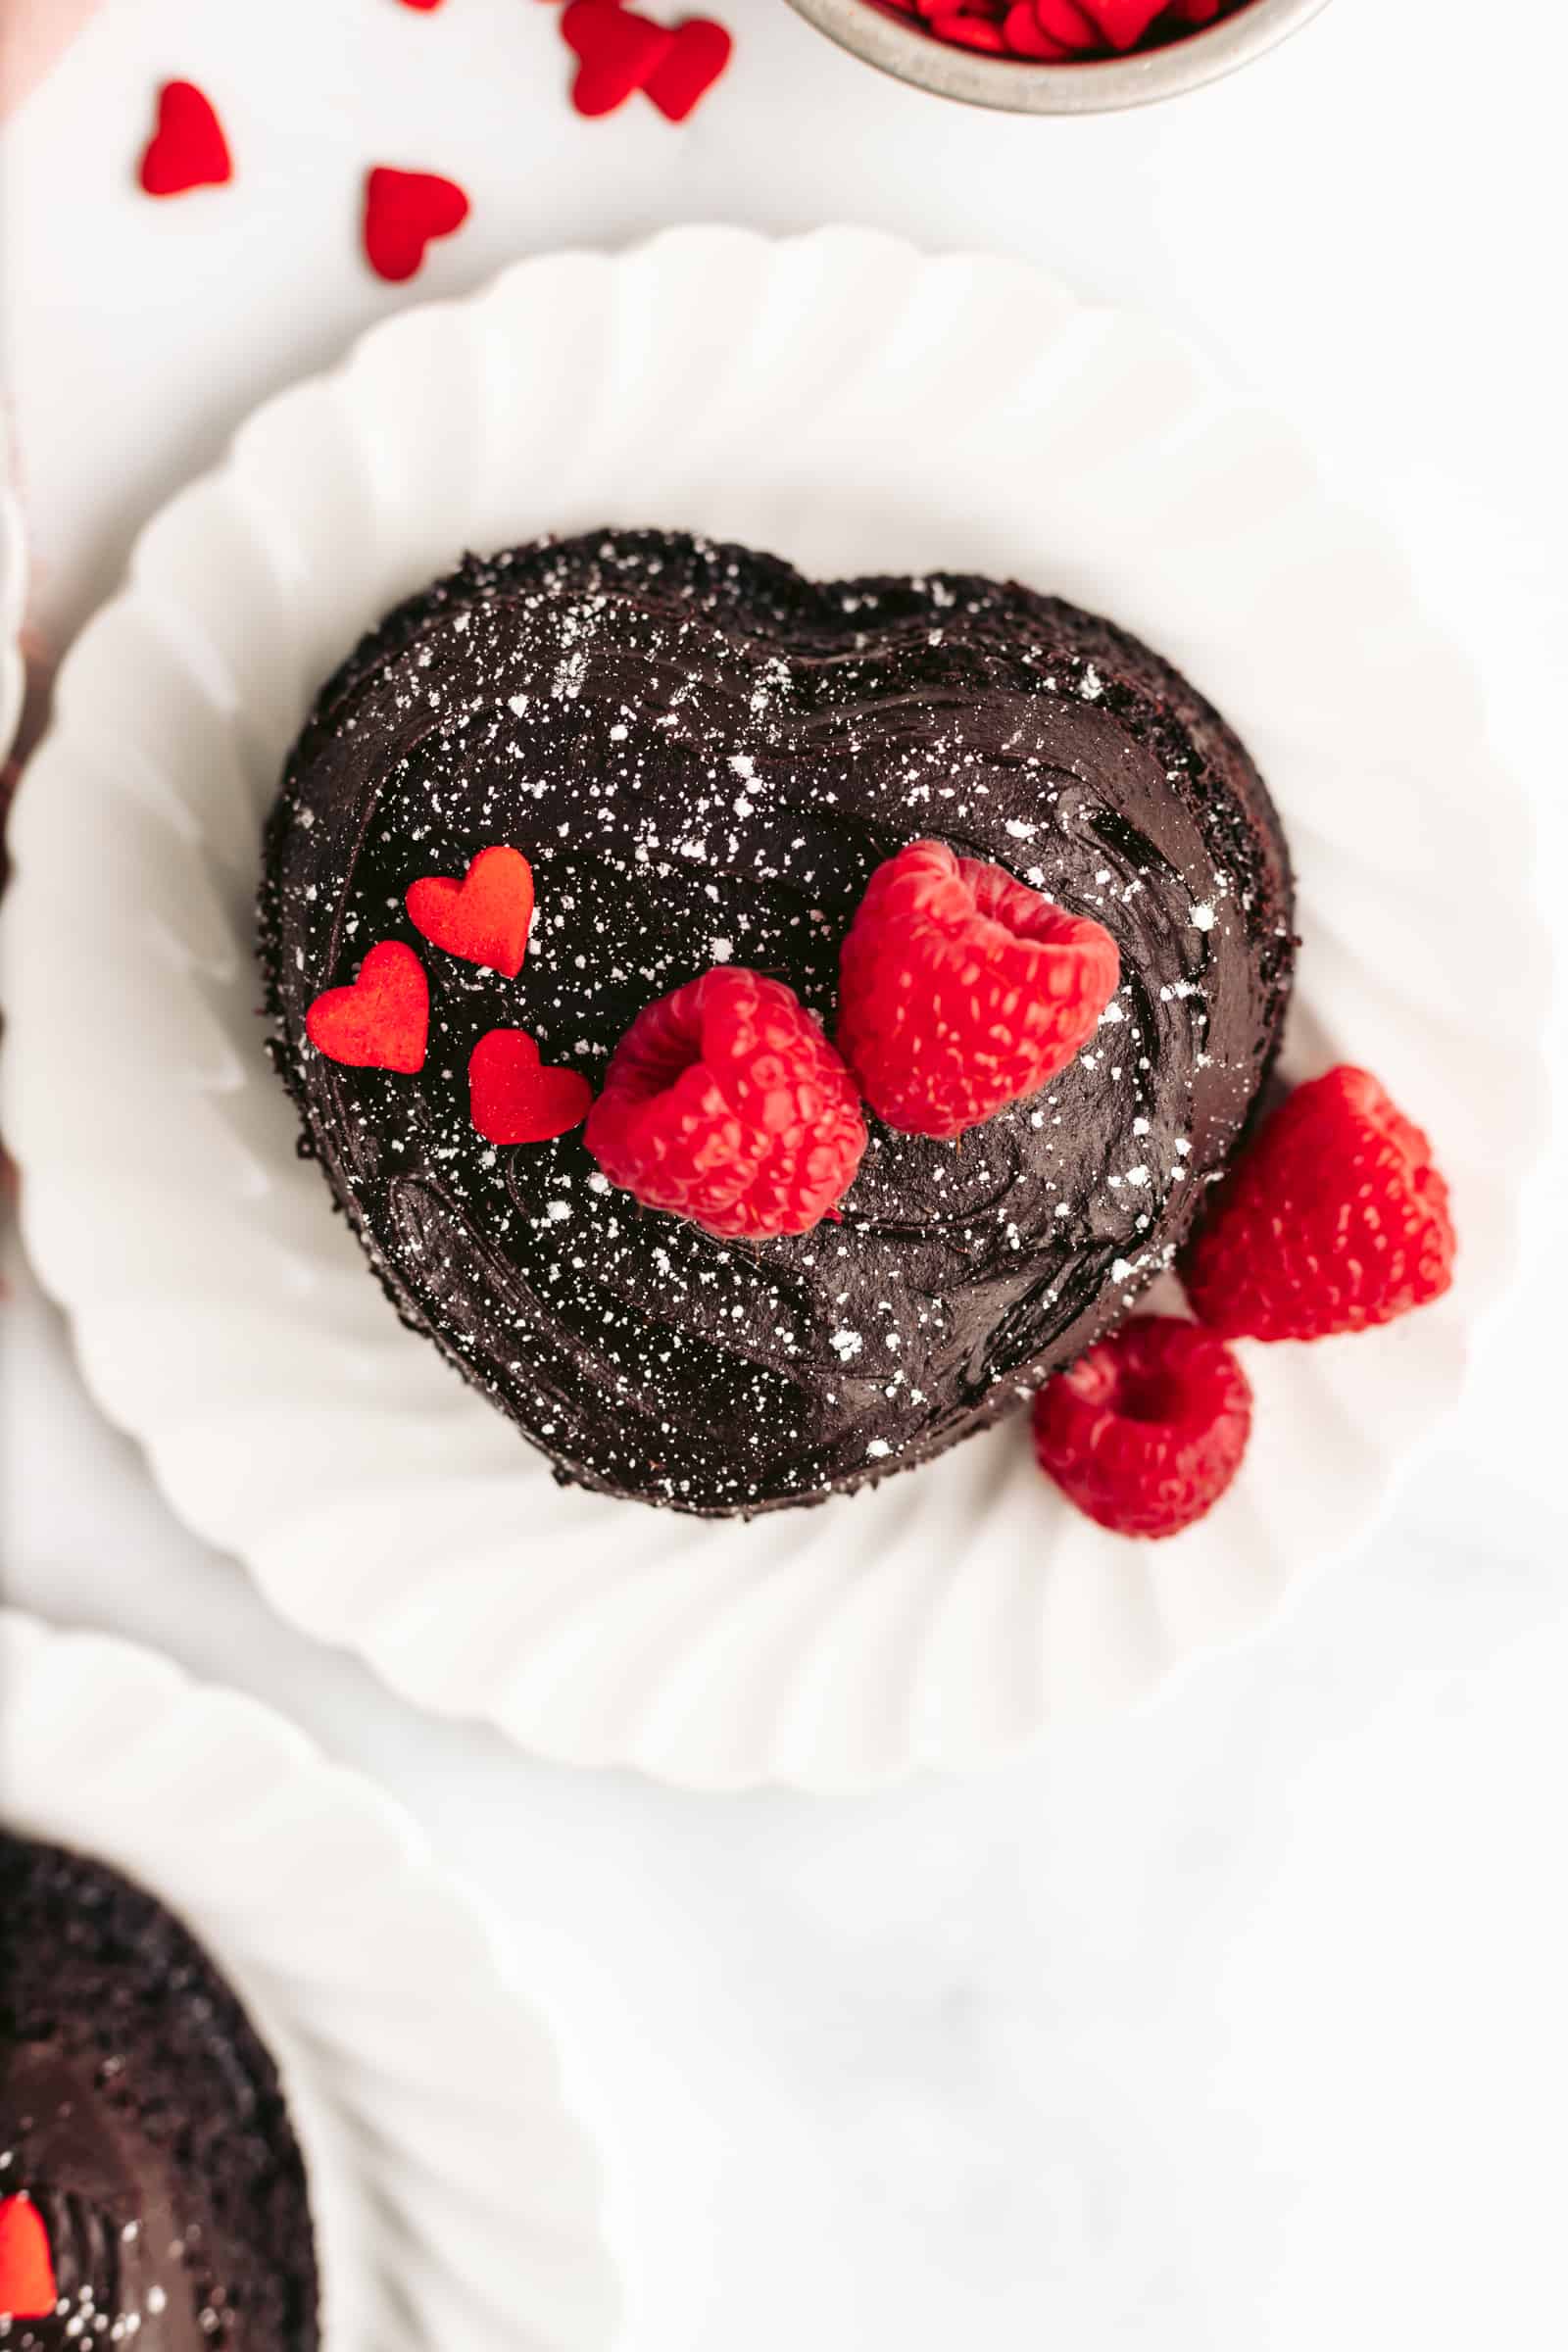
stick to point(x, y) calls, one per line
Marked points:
point(705, 754)
point(142, 2116)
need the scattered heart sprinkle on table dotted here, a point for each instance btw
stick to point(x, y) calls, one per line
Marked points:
point(403, 212)
point(619, 52)
point(187, 148)
point(699, 53)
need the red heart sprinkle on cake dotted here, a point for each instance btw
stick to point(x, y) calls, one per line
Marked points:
point(403, 212)
point(962, 990)
point(514, 1099)
point(187, 149)
point(28, 2289)
point(382, 1021)
point(1333, 1219)
point(1146, 1430)
point(485, 918)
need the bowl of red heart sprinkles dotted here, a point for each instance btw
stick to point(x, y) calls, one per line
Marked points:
point(1058, 57)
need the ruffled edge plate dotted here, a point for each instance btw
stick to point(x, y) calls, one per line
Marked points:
point(856, 406)
point(455, 2199)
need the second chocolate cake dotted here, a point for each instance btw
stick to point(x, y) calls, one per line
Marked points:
point(151, 2188)
point(703, 756)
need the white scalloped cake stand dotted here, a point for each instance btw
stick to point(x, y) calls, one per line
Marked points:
point(856, 407)
point(455, 2200)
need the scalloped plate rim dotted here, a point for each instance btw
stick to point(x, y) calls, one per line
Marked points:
point(752, 1767)
point(397, 1847)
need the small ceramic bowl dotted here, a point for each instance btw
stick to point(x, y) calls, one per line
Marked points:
point(903, 48)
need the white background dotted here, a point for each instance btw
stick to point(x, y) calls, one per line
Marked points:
point(1234, 2026)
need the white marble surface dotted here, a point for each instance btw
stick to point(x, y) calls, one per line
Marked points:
point(1238, 2025)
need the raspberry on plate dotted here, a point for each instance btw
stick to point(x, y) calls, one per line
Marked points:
point(725, 1104)
point(963, 990)
point(1146, 1430)
point(1334, 1218)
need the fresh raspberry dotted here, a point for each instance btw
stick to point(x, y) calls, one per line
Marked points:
point(1146, 1430)
point(1332, 1219)
point(725, 1104)
point(963, 990)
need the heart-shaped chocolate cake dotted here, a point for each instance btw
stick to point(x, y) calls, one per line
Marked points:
point(698, 760)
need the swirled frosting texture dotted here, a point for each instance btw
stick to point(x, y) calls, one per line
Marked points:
point(705, 756)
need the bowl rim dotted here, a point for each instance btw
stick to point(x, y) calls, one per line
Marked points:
point(904, 49)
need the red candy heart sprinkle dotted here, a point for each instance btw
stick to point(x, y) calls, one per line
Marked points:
point(1124, 22)
point(1024, 35)
point(28, 2289)
point(485, 918)
point(1065, 32)
point(617, 51)
point(381, 1023)
point(424, 4)
point(512, 1098)
point(970, 32)
point(701, 52)
point(1066, 22)
point(187, 149)
point(403, 212)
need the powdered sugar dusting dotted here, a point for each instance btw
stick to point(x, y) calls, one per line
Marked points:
point(703, 757)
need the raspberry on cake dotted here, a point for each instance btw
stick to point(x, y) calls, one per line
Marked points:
point(725, 1104)
point(962, 990)
point(710, 764)
point(1332, 1220)
point(1146, 1430)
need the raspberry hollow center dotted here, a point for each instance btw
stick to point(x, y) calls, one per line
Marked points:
point(1022, 913)
point(1148, 1394)
point(666, 1048)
